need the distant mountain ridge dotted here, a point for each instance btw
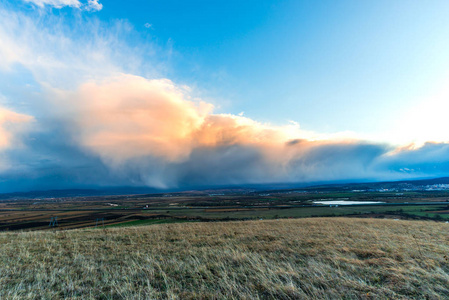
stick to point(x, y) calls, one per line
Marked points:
point(240, 189)
point(65, 193)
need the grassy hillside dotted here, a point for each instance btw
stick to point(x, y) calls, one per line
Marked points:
point(322, 258)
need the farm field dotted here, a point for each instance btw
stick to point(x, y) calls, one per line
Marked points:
point(134, 210)
point(310, 258)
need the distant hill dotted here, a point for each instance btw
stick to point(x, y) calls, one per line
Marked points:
point(420, 184)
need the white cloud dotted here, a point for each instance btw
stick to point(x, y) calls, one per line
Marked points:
point(91, 5)
point(73, 51)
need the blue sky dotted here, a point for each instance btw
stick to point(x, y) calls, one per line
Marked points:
point(149, 92)
point(330, 66)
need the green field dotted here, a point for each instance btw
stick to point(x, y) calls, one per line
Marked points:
point(304, 212)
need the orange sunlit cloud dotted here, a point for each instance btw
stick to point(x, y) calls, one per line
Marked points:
point(10, 123)
point(126, 116)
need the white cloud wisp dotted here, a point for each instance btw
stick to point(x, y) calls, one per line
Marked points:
point(90, 5)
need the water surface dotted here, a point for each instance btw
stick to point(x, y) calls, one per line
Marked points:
point(345, 202)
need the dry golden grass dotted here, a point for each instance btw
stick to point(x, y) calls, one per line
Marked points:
point(321, 258)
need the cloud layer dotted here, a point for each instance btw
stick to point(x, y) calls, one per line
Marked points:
point(89, 114)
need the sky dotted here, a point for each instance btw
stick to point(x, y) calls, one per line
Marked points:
point(190, 94)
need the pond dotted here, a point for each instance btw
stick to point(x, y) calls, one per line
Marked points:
point(345, 202)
